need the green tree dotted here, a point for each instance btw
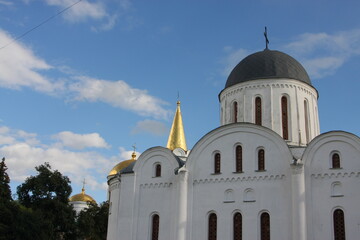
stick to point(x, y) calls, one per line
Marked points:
point(5, 191)
point(47, 193)
point(92, 222)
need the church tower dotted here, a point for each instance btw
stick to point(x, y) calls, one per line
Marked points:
point(272, 89)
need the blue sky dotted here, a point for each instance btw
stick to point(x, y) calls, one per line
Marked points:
point(81, 89)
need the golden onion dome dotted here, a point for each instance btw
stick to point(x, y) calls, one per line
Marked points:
point(120, 166)
point(81, 197)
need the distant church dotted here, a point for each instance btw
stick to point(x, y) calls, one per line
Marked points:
point(265, 173)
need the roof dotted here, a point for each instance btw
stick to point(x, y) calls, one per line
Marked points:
point(82, 197)
point(122, 165)
point(267, 64)
point(177, 134)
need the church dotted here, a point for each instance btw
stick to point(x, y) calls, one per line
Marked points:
point(265, 173)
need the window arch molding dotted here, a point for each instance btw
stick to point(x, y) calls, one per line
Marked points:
point(258, 159)
point(237, 224)
point(211, 225)
point(338, 228)
point(234, 111)
point(216, 162)
point(307, 120)
point(238, 159)
point(333, 162)
point(285, 116)
point(157, 169)
point(261, 231)
point(154, 230)
point(258, 109)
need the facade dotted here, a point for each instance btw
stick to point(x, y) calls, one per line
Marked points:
point(265, 173)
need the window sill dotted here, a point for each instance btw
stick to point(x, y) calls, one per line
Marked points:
point(229, 201)
point(337, 195)
point(157, 177)
point(238, 172)
point(216, 173)
point(260, 170)
point(249, 200)
point(336, 168)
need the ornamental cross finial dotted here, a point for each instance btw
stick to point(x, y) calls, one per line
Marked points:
point(134, 147)
point(83, 188)
point(266, 39)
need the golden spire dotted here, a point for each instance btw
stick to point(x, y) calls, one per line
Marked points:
point(177, 134)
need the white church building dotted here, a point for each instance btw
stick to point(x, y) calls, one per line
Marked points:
point(265, 173)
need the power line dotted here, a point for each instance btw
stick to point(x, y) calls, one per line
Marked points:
point(37, 26)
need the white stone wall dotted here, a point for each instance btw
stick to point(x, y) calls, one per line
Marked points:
point(250, 192)
point(328, 189)
point(270, 91)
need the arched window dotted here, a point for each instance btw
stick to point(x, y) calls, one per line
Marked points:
point(335, 160)
point(155, 227)
point(261, 160)
point(238, 158)
point(237, 226)
point(339, 225)
point(235, 111)
point(212, 227)
point(306, 115)
point(265, 226)
point(158, 170)
point(284, 118)
point(217, 163)
point(258, 112)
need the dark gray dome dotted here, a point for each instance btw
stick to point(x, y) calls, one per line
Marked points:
point(267, 64)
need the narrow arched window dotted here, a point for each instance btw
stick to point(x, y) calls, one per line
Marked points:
point(237, 226)
point(258, 111)
point(238, 158)
point(339, 225)
point(335, 160)
point(212, 226)
point(284, 118)
point(306, 115)
point(261, 160)
point(158, 170)
point(217, 163)
point(265, 226)
point(155, 227)
point(235, 111)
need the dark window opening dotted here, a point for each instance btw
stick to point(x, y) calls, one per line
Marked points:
point(284, 118)
point(238, 153)
point(217, 163)
point(212, 226)
point(265, 226)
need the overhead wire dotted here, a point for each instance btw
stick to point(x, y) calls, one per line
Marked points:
point(39, 25)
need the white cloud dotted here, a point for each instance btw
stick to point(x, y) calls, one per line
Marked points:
point(22, 158)
point(150, 126)
point(82, 11)
point(322, 53)
point(119, 94)
point(19, 67)
point(81, 141)
point(11, 136)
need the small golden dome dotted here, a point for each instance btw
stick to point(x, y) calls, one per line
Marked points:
point(120, 166)
point(81, 197)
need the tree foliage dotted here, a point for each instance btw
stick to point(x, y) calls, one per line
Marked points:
point(5, 191)
point(48, 193)
point(92, 222)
